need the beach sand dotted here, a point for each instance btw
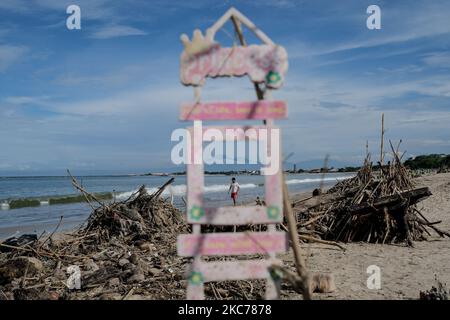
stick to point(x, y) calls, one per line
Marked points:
point(404, 271)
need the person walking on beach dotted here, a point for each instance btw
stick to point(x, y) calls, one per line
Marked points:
point(234, 189)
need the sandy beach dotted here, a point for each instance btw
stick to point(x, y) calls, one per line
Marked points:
point(404, 271)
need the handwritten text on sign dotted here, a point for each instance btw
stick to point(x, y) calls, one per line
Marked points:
point(262, 63)
point(256, 110)
point(228, 244)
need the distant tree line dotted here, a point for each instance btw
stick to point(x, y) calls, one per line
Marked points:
point(349, 169)
point(431, 161)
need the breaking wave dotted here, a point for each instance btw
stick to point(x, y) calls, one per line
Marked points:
point(308, 180)
point(180, 190)
point(175, 190)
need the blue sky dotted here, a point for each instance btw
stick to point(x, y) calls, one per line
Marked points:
point(105, 98)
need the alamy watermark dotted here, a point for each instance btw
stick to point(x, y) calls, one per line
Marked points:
point(73, 22)
point(263, 146)
point(374, 280)
point(373, 22)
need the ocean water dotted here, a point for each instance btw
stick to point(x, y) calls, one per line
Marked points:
point(36, 204)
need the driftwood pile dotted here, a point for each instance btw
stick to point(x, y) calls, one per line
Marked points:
point(376, 206)
point(140, 217)
point(125, 250)
point(438, 292)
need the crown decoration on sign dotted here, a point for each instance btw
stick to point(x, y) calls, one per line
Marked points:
point(203, 57)
point(199, 43)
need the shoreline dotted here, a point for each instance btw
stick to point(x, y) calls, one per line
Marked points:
point(68, 226)
point(46, 215)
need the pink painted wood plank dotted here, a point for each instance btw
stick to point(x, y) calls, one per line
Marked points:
point(271, 150)
point(195, 175)
point(227, 244)
point(274, 193)
point(258, 110)
point(273, 288)
point(230, 216)
point(262, 63)
point(233, 270)
point(195, 292)
point(194, 192)
point(273, 182)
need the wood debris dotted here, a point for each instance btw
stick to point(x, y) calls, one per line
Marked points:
point(376, 206)
point(125, 250)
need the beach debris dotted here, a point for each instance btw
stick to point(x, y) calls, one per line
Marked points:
point(259, 201)
point(19, 267)
point(25, 239)
point(438, 292)
point(318, 282)
point(317, 192)
point(122, 245)
point(323, 283)
point(74, 281)
point(378, 205)
point(125, 250)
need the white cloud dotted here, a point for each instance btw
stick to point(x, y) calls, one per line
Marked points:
point(3, 31)
point(10, 54)
point(149, 99)
point(117, 31)
point(161, 98)
point(399, 24)
point(15, 5)
point(24, 100)
point(438, 59)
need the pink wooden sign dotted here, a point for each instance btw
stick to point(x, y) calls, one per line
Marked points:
point(195, 176)
point(256, 110)
point(195, 173)
point(228, 244)
point(203, 57)
point(273, 184)
point(262, 63)
point(231, 270)
point(229, 216)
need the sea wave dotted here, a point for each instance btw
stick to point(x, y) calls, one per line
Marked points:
point(46, 201)
point(309, 180)
point(4, 206)
point(171, 190)
point(180, 190)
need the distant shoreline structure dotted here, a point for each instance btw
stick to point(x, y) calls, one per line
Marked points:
point(250, 172)
point(437, 162)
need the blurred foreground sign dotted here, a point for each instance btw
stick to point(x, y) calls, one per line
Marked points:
point(264, 64)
